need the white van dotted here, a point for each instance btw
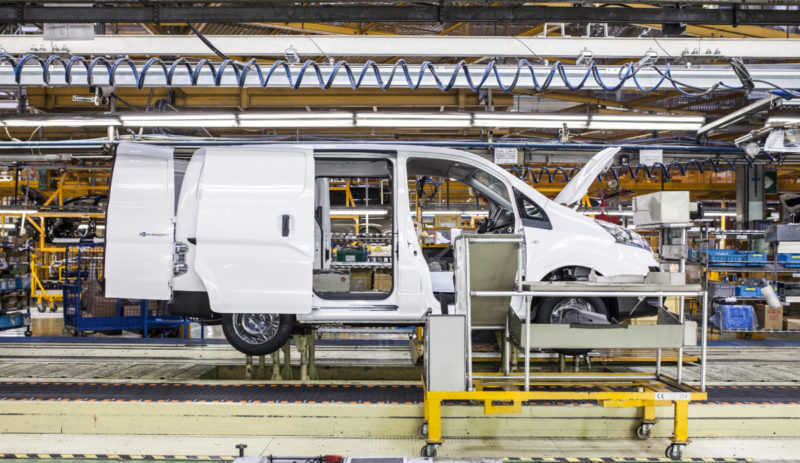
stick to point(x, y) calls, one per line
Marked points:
point(261, 238)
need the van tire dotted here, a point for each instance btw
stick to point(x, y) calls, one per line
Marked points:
point(243, 330)
point(544, 311)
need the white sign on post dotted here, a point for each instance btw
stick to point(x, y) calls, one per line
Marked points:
point(650, 157)
point(505, 156)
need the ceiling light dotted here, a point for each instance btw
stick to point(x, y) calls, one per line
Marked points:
point(376, 119)
point(18, 211)
point(783, 120)
point(179, 119)
point(644, 122)
point(296, 119)
point(61, 121)
point(358, 212)
point(530, 121)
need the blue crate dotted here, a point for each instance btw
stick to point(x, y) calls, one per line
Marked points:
point(728, 257)
point(789, 260)
point(754, 258)
point(734, 317)
point(748, 291)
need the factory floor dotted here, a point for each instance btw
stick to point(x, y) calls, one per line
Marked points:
point(760, 450)
point(71, 423)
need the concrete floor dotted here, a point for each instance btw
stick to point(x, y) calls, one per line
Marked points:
point(761, 450)
point(747, 364)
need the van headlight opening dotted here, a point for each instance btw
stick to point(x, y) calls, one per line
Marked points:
point(624, 236)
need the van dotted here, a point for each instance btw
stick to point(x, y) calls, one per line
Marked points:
point(261, 238)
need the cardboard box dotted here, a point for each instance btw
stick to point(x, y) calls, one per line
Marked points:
point(447, 220)
point(382, 281)
point(791, 323)
point(769, 318)
point(360, 280)
point(331, 281)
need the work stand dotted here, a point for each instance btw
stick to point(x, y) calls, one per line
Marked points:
point(507, 391)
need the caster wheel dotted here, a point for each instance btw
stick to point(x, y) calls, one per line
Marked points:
point(41, 308)
point(674, 452)
point(643, 431)
point(422, 431)
point(428, 451)
point(53, 308)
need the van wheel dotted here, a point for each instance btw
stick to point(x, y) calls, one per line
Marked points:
point(257, 333)
point(564, 310)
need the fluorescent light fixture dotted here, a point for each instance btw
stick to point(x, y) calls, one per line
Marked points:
point(355, 211)
point(179, 119)
point(720, 214)
point(61, 121)
point(644, 122)
point(529, 121)
point(592, 122)
point(432, 120)
point(783, 120)
point(296, 119)
point(18, 211)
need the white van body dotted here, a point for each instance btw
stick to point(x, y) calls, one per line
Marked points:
point(241, 237)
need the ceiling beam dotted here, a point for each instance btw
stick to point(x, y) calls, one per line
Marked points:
point(614, 103)
point(518, 14)
point(347, 42)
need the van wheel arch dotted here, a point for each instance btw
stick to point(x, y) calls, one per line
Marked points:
point(577, 273)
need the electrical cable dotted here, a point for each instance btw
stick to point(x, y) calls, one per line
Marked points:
point(207, 42)
point(719, 164)
point(444, 79)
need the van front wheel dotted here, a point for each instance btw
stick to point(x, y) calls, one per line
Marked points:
point(257, 333)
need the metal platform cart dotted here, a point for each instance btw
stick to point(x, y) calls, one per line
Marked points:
point(87, 310)
point(488, 282)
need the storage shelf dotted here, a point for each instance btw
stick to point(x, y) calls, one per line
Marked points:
point(360, 237)
point(763, 269)
point(362, 264)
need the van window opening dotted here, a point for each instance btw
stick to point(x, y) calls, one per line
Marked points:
point(354, 229)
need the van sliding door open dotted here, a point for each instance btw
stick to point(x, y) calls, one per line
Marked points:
point(354, 215)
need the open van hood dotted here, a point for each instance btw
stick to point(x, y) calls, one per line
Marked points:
point(579, 185)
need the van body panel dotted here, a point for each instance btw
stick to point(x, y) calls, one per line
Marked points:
point(255, 229)
point(140, 231)
point(232, 204)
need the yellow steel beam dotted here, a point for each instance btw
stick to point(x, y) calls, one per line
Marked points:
point(61, 98)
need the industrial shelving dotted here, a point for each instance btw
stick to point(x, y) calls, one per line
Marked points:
point(772, 267)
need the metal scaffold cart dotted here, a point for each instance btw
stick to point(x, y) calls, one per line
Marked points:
point(87, 310)
point(489, 284)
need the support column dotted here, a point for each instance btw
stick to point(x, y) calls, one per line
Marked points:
point(749, 192)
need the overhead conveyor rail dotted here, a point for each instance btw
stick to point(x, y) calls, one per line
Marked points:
point(489, 267)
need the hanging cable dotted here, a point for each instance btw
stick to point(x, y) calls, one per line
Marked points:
point(719, 164)
point(381, 76)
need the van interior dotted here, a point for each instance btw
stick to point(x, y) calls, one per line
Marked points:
point(450, 197)
point(354, 231)
point(355, 226)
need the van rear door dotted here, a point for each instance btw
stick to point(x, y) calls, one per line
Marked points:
point(255, 229)
point(139, 223)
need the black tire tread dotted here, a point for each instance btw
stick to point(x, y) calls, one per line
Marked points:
point(284, 332)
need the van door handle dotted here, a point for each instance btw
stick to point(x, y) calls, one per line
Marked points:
point(285, 225)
